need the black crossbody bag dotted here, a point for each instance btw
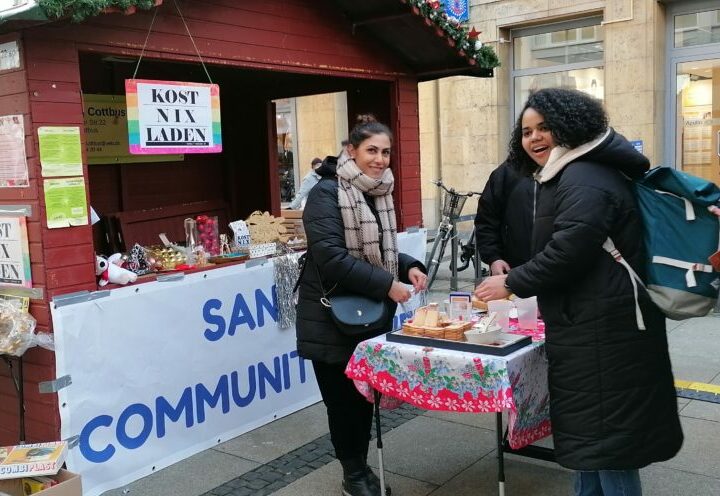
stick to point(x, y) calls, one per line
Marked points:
point(353, 314)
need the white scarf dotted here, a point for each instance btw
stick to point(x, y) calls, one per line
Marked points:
point(362, 233)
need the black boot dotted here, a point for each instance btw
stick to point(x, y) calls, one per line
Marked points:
point(375, 481)
point(355, 479)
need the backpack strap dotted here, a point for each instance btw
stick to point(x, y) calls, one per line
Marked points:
point(690, 268)
point(609, 247)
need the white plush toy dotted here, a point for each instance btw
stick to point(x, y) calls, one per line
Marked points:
point(110, 272)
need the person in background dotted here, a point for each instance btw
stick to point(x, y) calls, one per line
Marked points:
point(308, 182)
point(504, 219)
point(349, 221)
point(612, 398)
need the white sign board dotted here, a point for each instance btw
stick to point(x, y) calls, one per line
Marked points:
point(163, 370)
point(9, 56)
point(173, 117)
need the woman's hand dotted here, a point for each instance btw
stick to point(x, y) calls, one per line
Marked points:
point(417, 279)
point(499, 267)
point(492, 288)
point(399, 293)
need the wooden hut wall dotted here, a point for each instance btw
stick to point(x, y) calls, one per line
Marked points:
point(289, 36)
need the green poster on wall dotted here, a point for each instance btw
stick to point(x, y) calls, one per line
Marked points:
point(65, 202)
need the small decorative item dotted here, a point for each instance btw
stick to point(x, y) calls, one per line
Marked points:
point(286, 272)
point(110, 272)
point(208, 234)
point(264, 228)
point(191, 239)
point(262, 250)
point(17, 330)
point(241, 234)
point(166, 258)
point(224, 245)
point(138, 261)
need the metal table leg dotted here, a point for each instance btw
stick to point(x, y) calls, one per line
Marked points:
point(500, 453)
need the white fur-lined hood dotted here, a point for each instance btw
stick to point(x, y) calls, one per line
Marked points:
point(561, 156)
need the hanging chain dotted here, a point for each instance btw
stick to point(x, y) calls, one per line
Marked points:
point(177, 7)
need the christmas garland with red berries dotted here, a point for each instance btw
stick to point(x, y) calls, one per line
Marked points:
point(465, 40)
point(79, 10)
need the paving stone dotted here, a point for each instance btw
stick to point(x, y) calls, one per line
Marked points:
point(286, 469)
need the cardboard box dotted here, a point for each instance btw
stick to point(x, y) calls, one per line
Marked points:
point(70, 485)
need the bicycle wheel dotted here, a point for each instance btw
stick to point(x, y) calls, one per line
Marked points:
point(436, 255)
point(467, 253)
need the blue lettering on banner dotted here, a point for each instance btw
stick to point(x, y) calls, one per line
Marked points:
point(240, 314)
point(228, 386)
point(164, 409)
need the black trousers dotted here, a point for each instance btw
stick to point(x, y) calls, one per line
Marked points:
point(349, 414)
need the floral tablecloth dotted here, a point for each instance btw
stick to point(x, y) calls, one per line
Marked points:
point(456, 381)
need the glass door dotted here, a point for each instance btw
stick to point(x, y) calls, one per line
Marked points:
point(697, 148)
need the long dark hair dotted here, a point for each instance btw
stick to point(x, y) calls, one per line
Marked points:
point(573, 117)
point(366, 126)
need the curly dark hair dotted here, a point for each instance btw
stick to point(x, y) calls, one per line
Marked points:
point(366, 126)
point(573, 117)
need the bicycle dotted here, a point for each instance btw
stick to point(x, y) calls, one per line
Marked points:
point(453, 203)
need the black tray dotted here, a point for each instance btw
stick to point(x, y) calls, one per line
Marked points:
point(484, 349)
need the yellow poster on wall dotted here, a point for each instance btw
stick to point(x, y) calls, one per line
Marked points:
point(106, 132)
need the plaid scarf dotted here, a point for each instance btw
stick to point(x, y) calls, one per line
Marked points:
point(362, 233)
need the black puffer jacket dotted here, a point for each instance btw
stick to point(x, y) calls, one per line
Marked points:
point(317, 337)
point(504, 219)
point(612, 399)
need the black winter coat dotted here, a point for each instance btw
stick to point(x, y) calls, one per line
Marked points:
point(317, 337)
point(612, 399)
point(504, 220)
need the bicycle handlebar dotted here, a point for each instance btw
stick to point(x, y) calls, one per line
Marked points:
point(440, 184)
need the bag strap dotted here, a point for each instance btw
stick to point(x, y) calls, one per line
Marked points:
point(324, 299)
point(609, 247)
point(303, 262)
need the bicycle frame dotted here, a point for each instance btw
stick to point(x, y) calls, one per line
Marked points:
point(453, 203)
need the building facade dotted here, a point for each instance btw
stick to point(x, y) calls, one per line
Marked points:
point(655, 64)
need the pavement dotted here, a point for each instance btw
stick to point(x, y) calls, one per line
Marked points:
point(443, 454)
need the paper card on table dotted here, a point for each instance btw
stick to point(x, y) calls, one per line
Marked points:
point(65, 202)
point(13, 162)
point(60, 151)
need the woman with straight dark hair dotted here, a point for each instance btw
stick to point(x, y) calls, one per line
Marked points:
point(612, 397)
point(349, 220)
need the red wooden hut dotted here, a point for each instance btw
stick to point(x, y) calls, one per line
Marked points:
point(257, 51)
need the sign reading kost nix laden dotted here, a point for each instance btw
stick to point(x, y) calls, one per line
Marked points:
point(173, 117)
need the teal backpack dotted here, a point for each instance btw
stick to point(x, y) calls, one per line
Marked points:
point(680, 235)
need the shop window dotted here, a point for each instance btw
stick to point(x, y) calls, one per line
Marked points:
point(567, 55)
point(698, 113)
point(697, 28)
point(286, 143)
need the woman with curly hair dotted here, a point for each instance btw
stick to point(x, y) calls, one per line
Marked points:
point(612, 399)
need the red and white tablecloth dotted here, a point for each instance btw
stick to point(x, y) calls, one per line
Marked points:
point(457, 381)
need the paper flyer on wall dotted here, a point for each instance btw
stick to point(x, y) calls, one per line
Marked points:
point(13, 162)
point(60, 151)
point(65, 202)
point(14, 253)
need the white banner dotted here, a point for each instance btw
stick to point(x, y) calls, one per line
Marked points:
point(163, 370)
